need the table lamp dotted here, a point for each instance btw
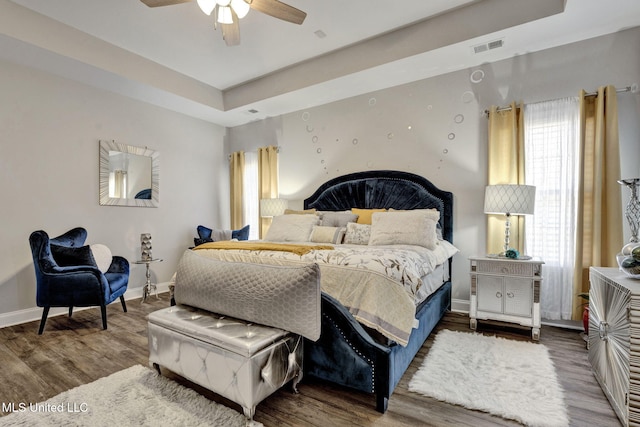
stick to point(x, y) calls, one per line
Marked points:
point(273, 207)
point(509, 199)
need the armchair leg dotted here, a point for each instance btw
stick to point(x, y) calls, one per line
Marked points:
point(70, 310)
point(45, 313)
point(124, 305)
point(103, 311)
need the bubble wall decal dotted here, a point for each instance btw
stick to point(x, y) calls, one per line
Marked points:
point(477, 76)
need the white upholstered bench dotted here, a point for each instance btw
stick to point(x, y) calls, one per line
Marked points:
point(237, 328)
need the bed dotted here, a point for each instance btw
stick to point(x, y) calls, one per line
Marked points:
point(344, 345)
point(360, 347)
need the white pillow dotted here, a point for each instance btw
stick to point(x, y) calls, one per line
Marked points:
point(337, 219)
point(323, 234)
point(291, 228)
point(357, 234)
point(102, 255)
point(405, 228)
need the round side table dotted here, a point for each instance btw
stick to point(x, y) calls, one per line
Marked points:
point(148, 286)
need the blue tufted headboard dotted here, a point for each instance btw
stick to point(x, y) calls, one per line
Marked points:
point(384, 189)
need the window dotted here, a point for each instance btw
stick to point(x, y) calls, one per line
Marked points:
point(551, 131)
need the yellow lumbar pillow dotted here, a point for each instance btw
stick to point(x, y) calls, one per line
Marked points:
point(364, 215)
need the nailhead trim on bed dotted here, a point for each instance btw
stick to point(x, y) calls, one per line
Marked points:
point(366, 359)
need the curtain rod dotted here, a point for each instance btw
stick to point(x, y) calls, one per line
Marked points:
point(624, 89)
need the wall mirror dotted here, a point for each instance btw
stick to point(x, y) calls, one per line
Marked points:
point(129, 175)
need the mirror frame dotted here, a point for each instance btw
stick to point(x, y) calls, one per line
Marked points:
point(105, 200)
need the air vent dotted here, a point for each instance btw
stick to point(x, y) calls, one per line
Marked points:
point(253, 111)
point(495, 44)
point(480, 48)
point(488, 46)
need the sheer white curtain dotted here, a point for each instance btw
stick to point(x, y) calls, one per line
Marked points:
point(552, 141)
point(250, 194)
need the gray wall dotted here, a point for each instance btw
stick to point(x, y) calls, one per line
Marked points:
point(436, 128)
point(49, 133)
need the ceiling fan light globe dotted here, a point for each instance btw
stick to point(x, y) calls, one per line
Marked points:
point(223, 2)
point(224, 15)
point(207, 6)
point(240, 7)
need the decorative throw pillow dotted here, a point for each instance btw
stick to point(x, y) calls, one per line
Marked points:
point(300, 212)
point(241, 234)
point(291, 228)
point(357, 234)
point(364, 215)
point(337, 219)
point(210, 235)
point(405, 228)
point(322, 234)
point(204, 232)
point(102, 255)
point(66, 256)
point(198, 241)
point(438, 225)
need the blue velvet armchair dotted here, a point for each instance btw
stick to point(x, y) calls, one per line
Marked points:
point(68, 276)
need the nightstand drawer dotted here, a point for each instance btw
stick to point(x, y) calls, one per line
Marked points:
point(507, 268)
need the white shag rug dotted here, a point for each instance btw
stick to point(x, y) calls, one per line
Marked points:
point(511, 379)
point(136, 396)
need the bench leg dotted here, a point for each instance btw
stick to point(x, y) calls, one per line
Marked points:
point(249, 413)
point(296, 381)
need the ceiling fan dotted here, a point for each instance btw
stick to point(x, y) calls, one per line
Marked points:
point(228, 13)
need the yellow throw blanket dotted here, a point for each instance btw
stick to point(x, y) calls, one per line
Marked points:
point(264, 246)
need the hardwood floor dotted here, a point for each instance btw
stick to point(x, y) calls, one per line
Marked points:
point(75, 351)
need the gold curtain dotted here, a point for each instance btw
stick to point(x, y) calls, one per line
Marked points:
point(267, 179)
point(236, 171)
point(505, 166)
point(599, 222)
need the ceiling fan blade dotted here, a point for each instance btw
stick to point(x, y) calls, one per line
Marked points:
point(157, 3)
point(231, 32)
point(279, 10)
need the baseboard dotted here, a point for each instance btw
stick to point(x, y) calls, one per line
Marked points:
point(35, 313)
point(460, 305)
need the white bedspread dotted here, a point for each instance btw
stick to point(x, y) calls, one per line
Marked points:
point(378, 284)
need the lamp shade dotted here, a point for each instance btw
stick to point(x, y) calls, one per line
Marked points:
point(509, 199)
point(272, 207)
